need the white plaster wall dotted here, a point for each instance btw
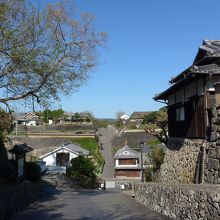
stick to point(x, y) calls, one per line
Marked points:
point(31, 123)
point(51, 159)
point(73, 156)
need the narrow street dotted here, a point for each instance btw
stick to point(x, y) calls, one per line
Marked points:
point(106, 136)
point(60, 201)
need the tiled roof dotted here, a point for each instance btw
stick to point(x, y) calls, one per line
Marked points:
point(69, 146)
point(138, 115)
point(206, 62)
point(212, 47)
point(76, 148)
point(210, 68)
point(20, 149)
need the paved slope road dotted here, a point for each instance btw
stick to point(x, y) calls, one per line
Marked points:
point(106, 137)
point(63, 202)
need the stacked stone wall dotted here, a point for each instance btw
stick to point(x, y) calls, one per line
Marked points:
point(180, 161)
point(181, 201)
point(85, 128)
point(42, 142)
point(212, 161)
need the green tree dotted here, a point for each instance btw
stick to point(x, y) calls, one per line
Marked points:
point(44, 53)
point(82, 166)
point(156, 157)
point(83, 170)
point(150, 118)
point(54, 114)
point(159, 128)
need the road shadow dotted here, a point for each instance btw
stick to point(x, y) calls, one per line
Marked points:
point(40, 209)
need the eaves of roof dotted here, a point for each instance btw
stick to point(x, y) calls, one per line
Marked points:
point(57, 149)
point(164, 95)
point(193, 73)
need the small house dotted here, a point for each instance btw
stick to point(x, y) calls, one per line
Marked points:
point(127, 163)
point(62, 155)
point(137, 118)
point(28, 119)
point(124, 118)
point(192, 93)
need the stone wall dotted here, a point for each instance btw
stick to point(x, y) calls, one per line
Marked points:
point(181, 201)
point(133, 139)
point(212, 161)
point(180, 160)
point(17, 197)
point(41, 142)
point(85, 128)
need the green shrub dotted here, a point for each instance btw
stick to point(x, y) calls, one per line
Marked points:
point(82, 166)
point(32, 171)
point(148, 175)
point(91, 144)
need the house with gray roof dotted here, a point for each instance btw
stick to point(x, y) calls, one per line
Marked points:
point(62, 155)
point(29, 119)
point(138, 117)
point(127, 163)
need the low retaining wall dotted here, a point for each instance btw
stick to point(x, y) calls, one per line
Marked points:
point(20, 196)
point(180, 161)
point(181, 201)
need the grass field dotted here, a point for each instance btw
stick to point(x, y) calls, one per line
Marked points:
point(91, 145)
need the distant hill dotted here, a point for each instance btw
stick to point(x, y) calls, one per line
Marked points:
point(107, 119)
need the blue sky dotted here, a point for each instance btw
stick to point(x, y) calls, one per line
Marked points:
point(149, 41)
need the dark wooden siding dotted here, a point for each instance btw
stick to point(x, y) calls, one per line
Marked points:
point(211, 99)
point(127, 173)
point(194, 125)
point(127, 161)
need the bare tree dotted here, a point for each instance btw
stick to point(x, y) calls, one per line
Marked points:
point(119, 114)
point(44, 53)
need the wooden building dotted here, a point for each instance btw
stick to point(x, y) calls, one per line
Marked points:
point(127, 163)
point(18, 162)
point(193, 92)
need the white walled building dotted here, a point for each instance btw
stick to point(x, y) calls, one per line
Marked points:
point(62, 155)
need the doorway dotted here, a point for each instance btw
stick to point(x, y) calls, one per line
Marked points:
point(62, 159)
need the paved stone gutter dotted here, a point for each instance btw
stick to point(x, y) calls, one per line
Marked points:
point(17, 197)
point(181, 201)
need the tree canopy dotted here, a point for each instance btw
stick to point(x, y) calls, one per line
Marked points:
point(150, 118)
point(44, 52)
point(158, 127)
point(54, 114)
